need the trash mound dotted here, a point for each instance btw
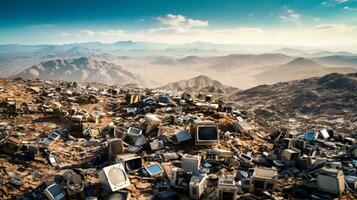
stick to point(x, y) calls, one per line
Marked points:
point(68, 140)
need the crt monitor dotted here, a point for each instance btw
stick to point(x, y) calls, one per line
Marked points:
point(207, 133)
point(133, 164)
point(54, 192)
point(154, 169)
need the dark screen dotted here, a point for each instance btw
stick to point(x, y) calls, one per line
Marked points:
point(227, 195)
point(258, 184)
point(207, 133)
point(133, 164)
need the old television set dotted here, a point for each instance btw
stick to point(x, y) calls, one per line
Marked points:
point(137, 136)
point(205, 132)
point(55, 192)
point(290, 156)
point(115, 147)
point(331, 180)
point(264, 179)
point(130, 161)
point(190, 162)
point(154, 169)
point(163, 100)
point(197, 186)
point(114, 177)
point(227, 188)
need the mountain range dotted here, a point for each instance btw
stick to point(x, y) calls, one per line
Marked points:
point(83, 69)
point(159, 64)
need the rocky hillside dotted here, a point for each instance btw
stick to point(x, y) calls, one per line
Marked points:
point(329, 100)
point(200, 83)
point(84, 69)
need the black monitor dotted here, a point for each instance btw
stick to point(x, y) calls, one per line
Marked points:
point(207, 134)
point(133, 164)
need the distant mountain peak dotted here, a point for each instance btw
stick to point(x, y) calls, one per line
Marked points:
point(200, 83)
point(300, 61)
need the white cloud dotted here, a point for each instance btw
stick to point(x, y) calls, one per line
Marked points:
point(179, 20)
point(349, 8)
point(296, 16)
point(290, 16)
point(334, 28)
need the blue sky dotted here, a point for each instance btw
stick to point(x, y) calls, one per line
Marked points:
point(294, 22)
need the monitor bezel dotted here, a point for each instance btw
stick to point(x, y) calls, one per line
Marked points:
point(206, 141)
point(154, 174)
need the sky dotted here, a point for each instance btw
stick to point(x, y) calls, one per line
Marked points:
point(263, 22)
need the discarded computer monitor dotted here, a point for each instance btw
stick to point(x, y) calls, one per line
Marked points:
point(52, 159)
point(324, 134)
point(227, 188)
point(331, 181)
point(11, 145)
point(191, 162)
point(47, 141)
point(163, 100)
point(154, 170)
point(205, 132)
point(137, 136)
point(55, 192)
point(54, 136)
point(299, 144)
point(152, 122)
point(311, 136)
point(304, 163)
point(197, 186)
point(132, 98)
point(243, 127)
point(157, 145)
point(182, 136)
point(115, 147)
point(289, 156)
point(114, 177)
point(130, 161)
point(264, 179)
point(286, 143)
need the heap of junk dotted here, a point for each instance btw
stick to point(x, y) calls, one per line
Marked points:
point(68, 140)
